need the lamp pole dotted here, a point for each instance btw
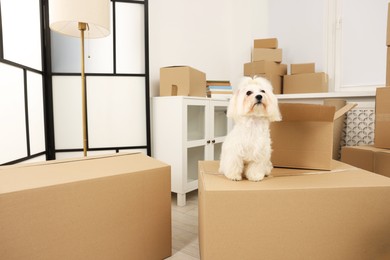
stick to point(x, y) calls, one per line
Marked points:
point(82, 28)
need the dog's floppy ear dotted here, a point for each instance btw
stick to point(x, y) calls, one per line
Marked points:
point(232, 108)
point(273, 108)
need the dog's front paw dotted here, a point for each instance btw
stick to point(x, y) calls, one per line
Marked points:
point(233, 176)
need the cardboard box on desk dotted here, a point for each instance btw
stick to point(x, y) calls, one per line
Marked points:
point(382, 118)
point(305, 83)
point(294, 214)
point(304, 137)
point(107, 207)
point(182, 81)
point(269, 43)
point(367, 157)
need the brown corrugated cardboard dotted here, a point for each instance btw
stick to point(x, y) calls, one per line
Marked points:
point(276, 82)
point(304, 137)
point(305, 83)
point(182, 81)
point(367, 157)
point(338, 125)
point(259, 54)
point(382, 118)
point(300, 68)
point(264, 67)
point(108, 207)
point(269, 43)
point(388, 66)
point(294, 214)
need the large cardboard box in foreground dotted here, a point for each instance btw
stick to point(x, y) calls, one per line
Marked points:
point(110, 207)
point(182, 81)
point(304, 137)
point(294, 214)
point(367, 157)
point(382, 118)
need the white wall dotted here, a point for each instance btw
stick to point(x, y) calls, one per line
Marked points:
point(215, 37)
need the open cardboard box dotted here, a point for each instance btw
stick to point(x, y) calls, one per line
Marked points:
point(294, 214)
point(304, 137)
point(105, 207)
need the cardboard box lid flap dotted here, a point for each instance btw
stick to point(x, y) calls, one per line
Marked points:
point(306, 112)
point(344, 110)
point(59, 172)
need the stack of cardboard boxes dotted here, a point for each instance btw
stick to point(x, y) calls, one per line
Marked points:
point(304, 79)
point(376, 158)
point(266, 62)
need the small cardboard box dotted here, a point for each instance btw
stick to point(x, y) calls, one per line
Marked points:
point(107, 207)
point(305, 83)
point(367, 157)
point(294, 214)
point(382, 118)
point(264, 67)
point(300, 68)
point(276, 82)
point(259, 54)
point(182, 81)
point(269, 43)
point(304, 137)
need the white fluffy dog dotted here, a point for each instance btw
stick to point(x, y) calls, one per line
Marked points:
point(246, 150)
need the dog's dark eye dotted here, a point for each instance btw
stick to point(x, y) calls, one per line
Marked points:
point(262, 91)
point(248, 93)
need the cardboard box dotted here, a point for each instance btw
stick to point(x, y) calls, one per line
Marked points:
point(264, 67)
point(304, 137)
point(182, 81)
point(305, 83)
point(259, 54)
point(108, 207)
point(294, 214)
point(276, 82)
point(367, 157)
point(382, 118)
point(269, 43)
point(302, 68)
point(388, 66)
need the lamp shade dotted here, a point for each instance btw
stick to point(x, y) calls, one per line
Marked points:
point(65, 15)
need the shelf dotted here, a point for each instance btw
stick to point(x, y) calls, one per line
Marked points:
point(355, 94)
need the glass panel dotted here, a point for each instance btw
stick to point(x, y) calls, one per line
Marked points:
point(12, 117)
point(196, 122)
point(116, 111)
point(130, 39)
point(194, 155)
point(66, 52)
point(21, 32)
point(35, 112)
point(220, 121)
point(370, 50)
point(67, 112)
point(217, 151)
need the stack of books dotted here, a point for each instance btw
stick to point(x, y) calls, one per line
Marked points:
point(221, 89)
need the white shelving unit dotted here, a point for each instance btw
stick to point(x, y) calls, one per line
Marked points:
point(185, 131)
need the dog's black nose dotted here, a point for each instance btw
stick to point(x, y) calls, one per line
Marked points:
point(259, 97)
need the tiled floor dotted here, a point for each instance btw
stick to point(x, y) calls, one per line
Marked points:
point(185, 243)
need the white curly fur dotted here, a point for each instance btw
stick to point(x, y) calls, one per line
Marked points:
point(246, 150)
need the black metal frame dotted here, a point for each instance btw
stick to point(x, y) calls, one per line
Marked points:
point(47, 74)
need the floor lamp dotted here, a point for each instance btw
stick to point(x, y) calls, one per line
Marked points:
point(74, 18)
